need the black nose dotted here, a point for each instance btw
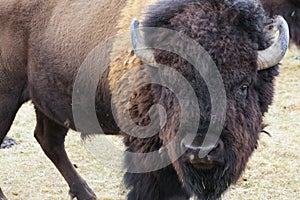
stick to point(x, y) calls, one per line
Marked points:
point(208, 156)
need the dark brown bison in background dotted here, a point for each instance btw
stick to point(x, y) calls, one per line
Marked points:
point(290, 10)
point(43, 44)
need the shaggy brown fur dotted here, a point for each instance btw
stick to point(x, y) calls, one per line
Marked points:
point(290, 10)
point(33, 37)
point(234, 28)
point(43, 44)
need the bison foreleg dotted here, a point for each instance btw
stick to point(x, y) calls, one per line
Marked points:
point(12, 96)
point(51, 137)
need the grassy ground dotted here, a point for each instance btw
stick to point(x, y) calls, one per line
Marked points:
point(272, 173)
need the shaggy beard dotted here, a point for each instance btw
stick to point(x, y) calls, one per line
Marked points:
point(208, 184)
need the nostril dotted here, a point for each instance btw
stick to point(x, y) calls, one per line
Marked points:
point(221, 144)
point(218, 148)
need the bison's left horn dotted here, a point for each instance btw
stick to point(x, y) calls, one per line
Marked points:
point(273, 55)
point(140, 48)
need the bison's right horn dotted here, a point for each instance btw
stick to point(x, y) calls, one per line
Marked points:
point(273, 55)
point(143, 52)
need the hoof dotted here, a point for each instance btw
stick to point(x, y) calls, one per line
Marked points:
point(7, 143)
point(82, 191)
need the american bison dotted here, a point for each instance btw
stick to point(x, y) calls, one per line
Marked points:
point(44, 43)
point(290, 10)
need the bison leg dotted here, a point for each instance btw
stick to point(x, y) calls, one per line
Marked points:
point(157, 185)
point(51, 137)
point(2, 197)
point(12, 96)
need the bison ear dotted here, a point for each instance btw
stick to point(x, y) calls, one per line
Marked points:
point(141, 50)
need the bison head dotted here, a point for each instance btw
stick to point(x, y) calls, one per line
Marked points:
point(236, 34)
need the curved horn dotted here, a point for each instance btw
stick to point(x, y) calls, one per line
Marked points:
point(139, 45)
point(273, 55)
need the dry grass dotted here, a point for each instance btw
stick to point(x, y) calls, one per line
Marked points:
point(272, 173)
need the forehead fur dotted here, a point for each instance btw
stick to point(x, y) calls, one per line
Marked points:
point(231, 31)
point(246, 14)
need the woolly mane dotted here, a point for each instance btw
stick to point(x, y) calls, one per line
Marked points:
point(232, 32)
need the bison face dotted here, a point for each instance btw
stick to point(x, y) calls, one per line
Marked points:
point(233, 36)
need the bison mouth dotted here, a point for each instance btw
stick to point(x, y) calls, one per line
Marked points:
point(208, 159)
point(204, 170)
point(203, 163)
point(205, 179)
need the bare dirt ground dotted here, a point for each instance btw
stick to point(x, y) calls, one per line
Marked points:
point(272, 173)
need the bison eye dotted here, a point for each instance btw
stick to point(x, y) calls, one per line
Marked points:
point(244, 89)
